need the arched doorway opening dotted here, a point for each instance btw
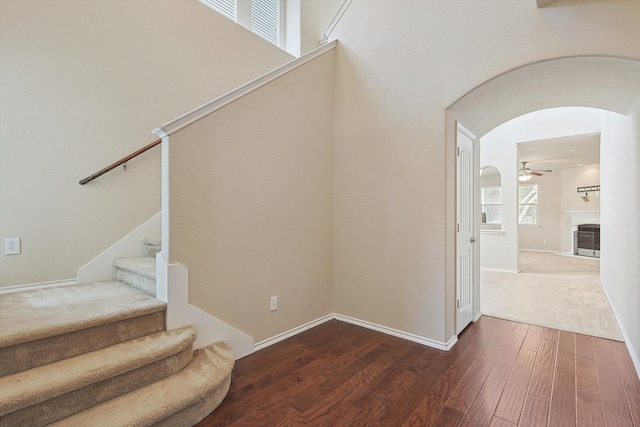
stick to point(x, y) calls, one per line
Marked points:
point(607, 83)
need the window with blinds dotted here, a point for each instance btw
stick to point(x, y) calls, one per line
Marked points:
point(227, 8)
point(262, 17)
point(265, 19)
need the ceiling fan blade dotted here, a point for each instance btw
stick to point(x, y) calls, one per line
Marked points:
point(543, 170)
point(534, 173)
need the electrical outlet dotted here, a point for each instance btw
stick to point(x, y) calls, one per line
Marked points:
point(274, 303)
point(544, 241)
point(12, 246)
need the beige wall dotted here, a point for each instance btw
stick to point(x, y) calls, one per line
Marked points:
point(315, 16)
point(83, 83)
point(393, 233)
point(251, 199)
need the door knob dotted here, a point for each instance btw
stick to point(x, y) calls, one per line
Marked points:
point(472, 240)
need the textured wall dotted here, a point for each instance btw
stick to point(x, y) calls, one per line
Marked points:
point(82, 85)
point(400, 66)
point(251, 199)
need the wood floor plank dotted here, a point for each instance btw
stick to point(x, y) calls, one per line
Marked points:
point(587, 386)
point(611, 390)
point(535, 412)
point(448, 417)
point(484, 406)
point(515, 392)
point(584, 346)
point(378, 346)
point(338, 374)
point(480, 334)
point(542, 377)
point(466, 392)
point(437, 396)
point(626, 370)
point(613, 420)
point(633, 400)
point(589, 414)
point(331, 406)
point(533, 337)
point(562, 410)
point(499, 422)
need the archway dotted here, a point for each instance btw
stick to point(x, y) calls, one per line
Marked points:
point(607, 83)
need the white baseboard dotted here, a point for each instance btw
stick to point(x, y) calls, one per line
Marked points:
point(396, 333)
point(363, 323)
point(632, 352)
point(32, 286)
point(292, 332)
point(499, 270)
point(477, 316)
point(400, 334)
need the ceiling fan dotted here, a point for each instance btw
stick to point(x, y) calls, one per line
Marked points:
point(526, 173)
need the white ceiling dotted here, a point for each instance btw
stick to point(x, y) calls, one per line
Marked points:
point(561, 153)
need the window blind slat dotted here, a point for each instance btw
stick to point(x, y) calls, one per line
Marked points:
point(265, 19)
point(225, 7)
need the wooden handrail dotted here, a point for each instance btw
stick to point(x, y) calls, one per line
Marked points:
point(122, 161)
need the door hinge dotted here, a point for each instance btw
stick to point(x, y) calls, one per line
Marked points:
point(459, 151)
point(458, 227)
point(458, 304)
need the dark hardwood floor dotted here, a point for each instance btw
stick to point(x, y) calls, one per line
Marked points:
point(499, 374)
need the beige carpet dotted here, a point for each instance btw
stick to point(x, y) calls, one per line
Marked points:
point(551, 290)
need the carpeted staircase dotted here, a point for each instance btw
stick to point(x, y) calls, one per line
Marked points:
point(98, 354)
point(140, 272)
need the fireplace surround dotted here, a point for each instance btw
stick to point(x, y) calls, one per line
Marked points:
point(585, 225)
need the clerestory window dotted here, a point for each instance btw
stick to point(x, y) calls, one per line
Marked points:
point(262, 17)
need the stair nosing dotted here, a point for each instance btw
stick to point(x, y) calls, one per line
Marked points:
point(149, 305)
point(199, 384)
point(132, 264)
point(89, 368)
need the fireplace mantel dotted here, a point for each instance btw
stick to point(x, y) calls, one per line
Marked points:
point(584, 217)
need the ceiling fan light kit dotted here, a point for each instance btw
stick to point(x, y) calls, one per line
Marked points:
point(526, 173)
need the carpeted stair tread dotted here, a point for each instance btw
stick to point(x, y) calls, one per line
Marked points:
point(58, 310)
point(143, 266)
point(153, 240)
point(42, 383)
point(153, 244)
point(191, 394)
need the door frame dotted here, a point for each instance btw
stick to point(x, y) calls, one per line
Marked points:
point(474, 209)
point(451, 262)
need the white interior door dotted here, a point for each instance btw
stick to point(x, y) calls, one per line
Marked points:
point(465, 230)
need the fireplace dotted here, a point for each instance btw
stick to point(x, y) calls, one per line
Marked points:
point(586, 240)
point(588, 219)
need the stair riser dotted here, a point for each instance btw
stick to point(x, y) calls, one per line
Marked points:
point(152, 250)
point(25, 356)
point(180, 400)
point(68, 404)
point(195, 413)
point(137, 281)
